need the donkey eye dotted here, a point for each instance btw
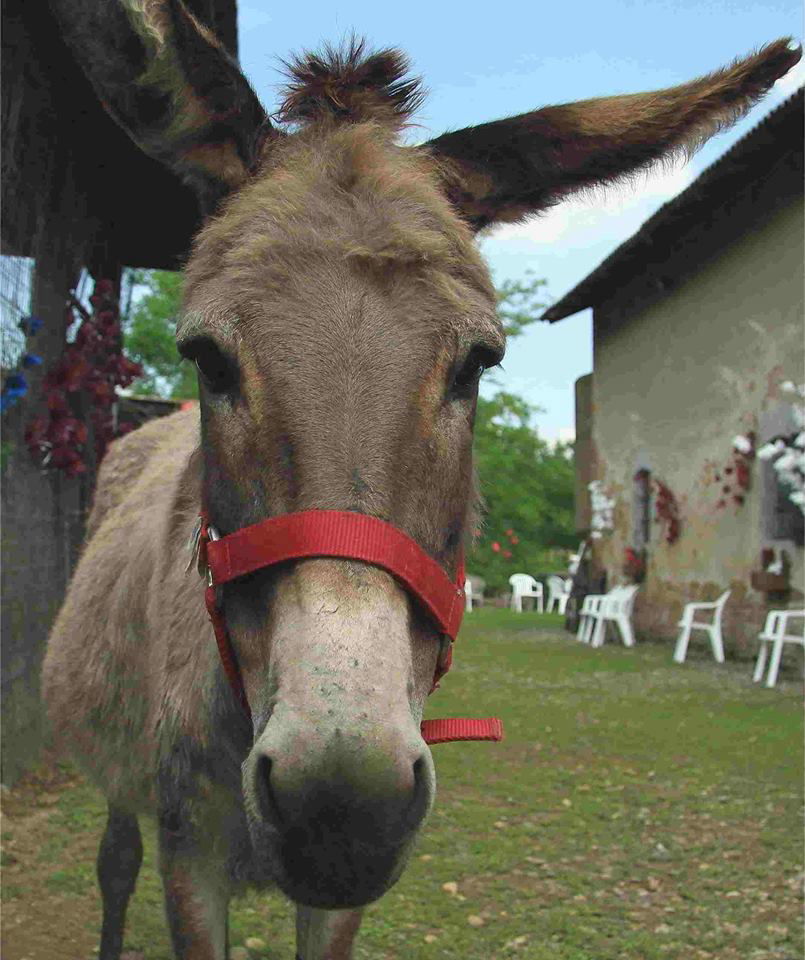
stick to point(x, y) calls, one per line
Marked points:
point(469, 373)
point(218, 371)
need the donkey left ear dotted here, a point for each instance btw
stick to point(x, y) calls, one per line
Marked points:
point(502, 171)
point(169, 82)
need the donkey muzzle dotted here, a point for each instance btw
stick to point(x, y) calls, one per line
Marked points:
point(340, 806)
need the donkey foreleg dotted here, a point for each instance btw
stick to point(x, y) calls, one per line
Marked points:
point(325, 934)
point(197, 896)
point(119, 857)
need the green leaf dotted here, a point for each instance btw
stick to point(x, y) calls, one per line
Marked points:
point(149, 329)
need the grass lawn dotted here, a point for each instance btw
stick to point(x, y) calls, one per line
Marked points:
point(636, 809)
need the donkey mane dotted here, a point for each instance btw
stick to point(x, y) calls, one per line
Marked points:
point(348, 84)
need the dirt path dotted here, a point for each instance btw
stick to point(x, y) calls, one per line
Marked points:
point(31, 819)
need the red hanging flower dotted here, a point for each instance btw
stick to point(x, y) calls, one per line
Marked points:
point(35, 433)
point(93, 363)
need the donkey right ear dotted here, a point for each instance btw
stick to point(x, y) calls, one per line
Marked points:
point(503, 171)
point(168, 81)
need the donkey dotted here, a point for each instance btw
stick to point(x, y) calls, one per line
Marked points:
point(340, 316)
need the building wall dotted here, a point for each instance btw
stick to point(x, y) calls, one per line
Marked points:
point(584, 452)
point(674, 382)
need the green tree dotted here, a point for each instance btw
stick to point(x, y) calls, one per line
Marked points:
point(527, 489)
point(149, 323)
point(526, 483)
point(520, 302)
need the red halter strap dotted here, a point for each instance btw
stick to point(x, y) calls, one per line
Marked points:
point(354, 536)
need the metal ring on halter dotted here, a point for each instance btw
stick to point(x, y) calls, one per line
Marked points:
point(213, 535)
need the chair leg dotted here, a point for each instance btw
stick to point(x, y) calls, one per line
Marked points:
point(774, 663)
point(682, 644)
point(582, 627)
point(626, 631)
point(717, 644)
point(599, 632)
point(760, 665)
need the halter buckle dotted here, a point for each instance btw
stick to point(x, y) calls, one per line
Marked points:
point(212, 536)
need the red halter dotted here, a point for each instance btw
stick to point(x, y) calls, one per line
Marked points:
point(352, 536)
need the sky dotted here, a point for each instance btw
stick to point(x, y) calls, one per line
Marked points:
point(481, 62)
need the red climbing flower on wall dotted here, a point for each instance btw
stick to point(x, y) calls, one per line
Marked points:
point(634, 565)
point(666, 511)
point(736, 477)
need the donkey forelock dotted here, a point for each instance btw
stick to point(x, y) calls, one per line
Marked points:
point(349, 84)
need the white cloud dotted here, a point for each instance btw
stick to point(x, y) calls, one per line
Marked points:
point(609, 217)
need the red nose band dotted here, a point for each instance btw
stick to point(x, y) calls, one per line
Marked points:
point(350, 536)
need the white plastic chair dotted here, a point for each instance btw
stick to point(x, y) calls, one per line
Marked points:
point(473, 594)
point(558, 593)
point(576, 558)
point(468, 595)
point(613, 607)
point(589, 608)
point(712, 629)
point(776, 632)
point(524, 585)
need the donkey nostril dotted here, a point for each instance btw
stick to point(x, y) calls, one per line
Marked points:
point(419, 798)
point(266, 802)
point(419, 772)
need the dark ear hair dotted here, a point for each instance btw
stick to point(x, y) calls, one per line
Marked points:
point(169, 82)
point(502, 171)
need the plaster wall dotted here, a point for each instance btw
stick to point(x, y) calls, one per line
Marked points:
point(584, 452)
point(675, 381)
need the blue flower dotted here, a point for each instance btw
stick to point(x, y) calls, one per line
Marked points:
point(31, 360)
point(16, 386)
point(15, 383)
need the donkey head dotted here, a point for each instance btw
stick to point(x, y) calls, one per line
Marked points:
point(340, 318)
